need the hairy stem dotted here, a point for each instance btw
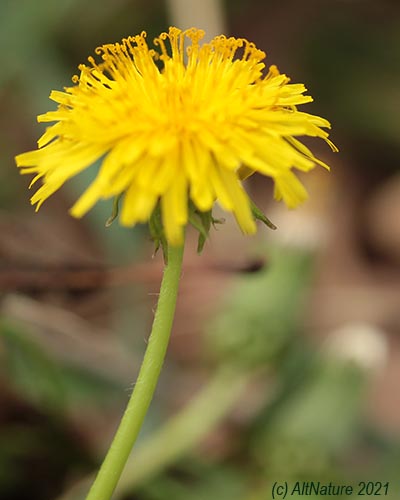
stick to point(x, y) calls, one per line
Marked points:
point(128, 430)
point(185, 429)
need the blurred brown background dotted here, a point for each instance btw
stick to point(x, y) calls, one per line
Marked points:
point(285, 357)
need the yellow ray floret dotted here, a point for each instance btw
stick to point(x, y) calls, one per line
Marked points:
point(182, 121)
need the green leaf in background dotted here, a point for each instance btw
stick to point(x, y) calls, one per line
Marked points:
point(32, 372)
point(196, 481)
point(261, 312)
point(315, 425)
point(47, 382)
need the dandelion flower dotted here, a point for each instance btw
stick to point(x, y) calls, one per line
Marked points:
point(183, 122)
point(175, 128)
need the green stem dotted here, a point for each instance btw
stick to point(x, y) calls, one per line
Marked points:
point(185, 429)
point(125, 437)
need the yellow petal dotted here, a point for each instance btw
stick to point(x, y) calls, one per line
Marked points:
point(233, 198)
point(174, 206)
point(289, 189)
point(137, 206)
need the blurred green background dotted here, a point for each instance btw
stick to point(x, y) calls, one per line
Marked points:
point(285, 359)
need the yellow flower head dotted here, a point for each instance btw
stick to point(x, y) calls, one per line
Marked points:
point(174, 124)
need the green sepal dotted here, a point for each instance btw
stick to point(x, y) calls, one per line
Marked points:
point(217, 221)
point(259, 215)
point(115, 211)
point(206, 220)
point(157, 233)
point(201, 221)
